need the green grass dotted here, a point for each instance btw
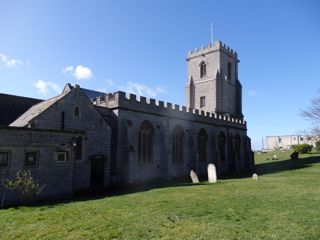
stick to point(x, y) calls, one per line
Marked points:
point(284, 204)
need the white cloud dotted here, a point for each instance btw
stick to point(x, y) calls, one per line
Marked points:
point(44, 87)
point(79, 72)
point(142, 90)
point(252, 93)
point(109, 86)
point(11, 63)
point(109, 82)
point(161, 89)
point(68, 69)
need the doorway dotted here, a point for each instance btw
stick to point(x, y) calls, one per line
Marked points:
point(97, 171)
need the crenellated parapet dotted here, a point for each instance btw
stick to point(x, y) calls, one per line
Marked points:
point(121, 100)
point(216, 46)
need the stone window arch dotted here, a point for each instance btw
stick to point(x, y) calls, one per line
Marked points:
point(145, 142)
point(177, 144)
point(237, 147)
point(202, 145)
point(76, 111)
point(229, 70)
point(203, 69)
point(222, 146)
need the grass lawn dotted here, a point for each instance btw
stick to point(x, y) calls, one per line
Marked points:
point(284, 204)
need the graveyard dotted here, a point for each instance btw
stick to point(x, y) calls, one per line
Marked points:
point(282, 204)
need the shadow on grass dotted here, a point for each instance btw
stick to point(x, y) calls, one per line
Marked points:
point(285, 165)
point(117, 190)
point(114, 190)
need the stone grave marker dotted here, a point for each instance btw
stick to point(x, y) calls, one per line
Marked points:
point(194, 177)
point(212, 173)
point(255, 176)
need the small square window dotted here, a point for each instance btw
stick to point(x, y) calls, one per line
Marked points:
point(31, 158)
point(62, 156)
point(202, 102)
point(4, 159)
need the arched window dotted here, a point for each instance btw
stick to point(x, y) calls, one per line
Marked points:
point(202, 145)
point(222, 146)
point(177, 144)
point(145, 142)
point(237, 147)
point(229, 71)
point(203, 69)
point(76, 111)
point(78, 148)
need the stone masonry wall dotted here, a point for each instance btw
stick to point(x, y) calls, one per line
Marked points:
point(57, 176)
point(96, 132)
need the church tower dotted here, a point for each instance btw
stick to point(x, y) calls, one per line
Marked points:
point(213, 84)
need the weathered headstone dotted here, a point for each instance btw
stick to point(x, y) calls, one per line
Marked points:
point(255, 176)
point(194, 177)
point(212, 173)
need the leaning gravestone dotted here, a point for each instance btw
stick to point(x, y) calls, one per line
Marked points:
point(212, 173)
point(194, 177)
point(255, 176)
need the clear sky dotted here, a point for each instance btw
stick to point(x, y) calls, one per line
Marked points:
point(141, 46)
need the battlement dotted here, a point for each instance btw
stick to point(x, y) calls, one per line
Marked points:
point(216, 46)
point(122, 100)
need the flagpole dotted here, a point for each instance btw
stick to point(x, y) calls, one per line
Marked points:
point(211, 33)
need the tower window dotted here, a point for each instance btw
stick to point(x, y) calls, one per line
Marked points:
point(203, 69)
point(202, 102)
point(229, 70)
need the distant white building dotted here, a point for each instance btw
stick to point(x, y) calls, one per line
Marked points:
point(286, 141)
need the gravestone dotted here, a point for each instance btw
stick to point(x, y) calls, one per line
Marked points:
point(212, 173)
point(194, 177)
point(255, 176)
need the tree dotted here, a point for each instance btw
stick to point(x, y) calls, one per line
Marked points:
point(313, 112)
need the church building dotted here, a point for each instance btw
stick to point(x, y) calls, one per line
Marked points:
point(84, 139)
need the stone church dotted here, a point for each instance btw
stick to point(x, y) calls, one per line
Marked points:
point(84, 139)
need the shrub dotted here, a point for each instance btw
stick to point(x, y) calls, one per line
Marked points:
point(302, 148)
point(25, 184)
point(294, 156)
point(318, 146)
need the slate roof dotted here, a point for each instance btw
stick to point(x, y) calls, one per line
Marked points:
point(35, 111)
point(91, 94)
point(11, 107)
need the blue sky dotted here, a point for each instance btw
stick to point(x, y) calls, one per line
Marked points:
point(141, 46)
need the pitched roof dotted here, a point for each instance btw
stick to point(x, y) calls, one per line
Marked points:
point(11, 107)
point(35, 111)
